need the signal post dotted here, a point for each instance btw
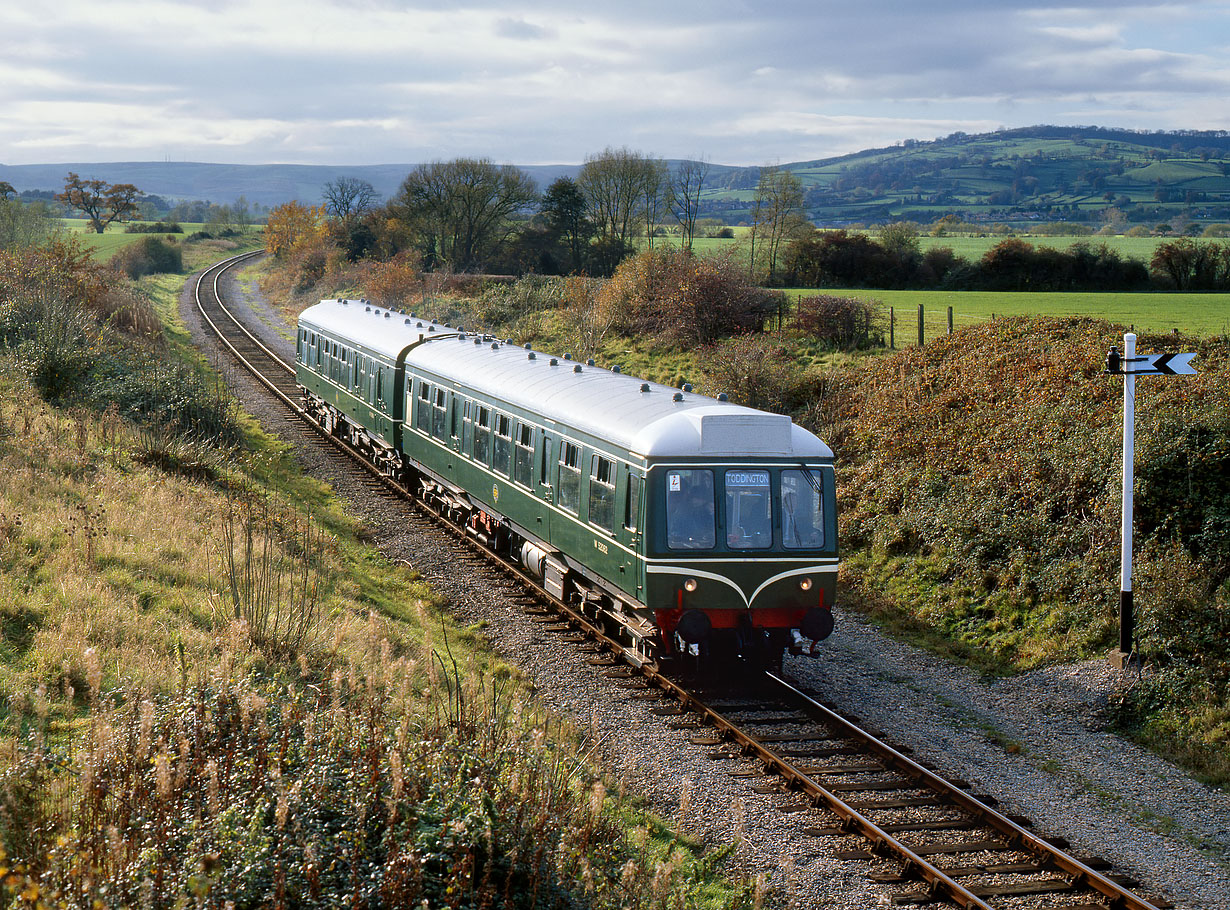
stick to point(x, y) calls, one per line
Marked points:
point(1129, 366)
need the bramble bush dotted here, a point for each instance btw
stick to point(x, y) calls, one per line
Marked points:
point(845, 323)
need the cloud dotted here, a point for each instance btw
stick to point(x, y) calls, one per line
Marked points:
point(369, 81)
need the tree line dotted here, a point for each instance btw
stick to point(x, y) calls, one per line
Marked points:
point(895, 259)
point(471, 215)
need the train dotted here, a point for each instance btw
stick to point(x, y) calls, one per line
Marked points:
point(687, 525)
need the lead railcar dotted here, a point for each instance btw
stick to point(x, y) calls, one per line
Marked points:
point(683, 522)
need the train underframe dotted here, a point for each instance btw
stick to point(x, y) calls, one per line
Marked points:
point(695, 640)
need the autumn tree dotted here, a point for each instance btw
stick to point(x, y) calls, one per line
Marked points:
point(6, 189)
point(683, 196)
point(101, 202)
point(293, 225)
point(459, 211)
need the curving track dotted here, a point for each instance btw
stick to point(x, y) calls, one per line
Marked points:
point(925, 833)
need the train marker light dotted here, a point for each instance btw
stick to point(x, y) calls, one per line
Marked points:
point(1129, 366)
point(690, 585)
point(805, 584)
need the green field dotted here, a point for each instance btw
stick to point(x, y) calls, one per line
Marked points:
point(1198, 314)
point(106, 244)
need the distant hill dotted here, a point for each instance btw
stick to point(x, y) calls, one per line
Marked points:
point(1039, 173)
point(266, 184)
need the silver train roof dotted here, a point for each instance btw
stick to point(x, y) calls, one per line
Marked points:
point(646, 418)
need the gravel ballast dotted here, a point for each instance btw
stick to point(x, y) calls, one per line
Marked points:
point(1036, 742)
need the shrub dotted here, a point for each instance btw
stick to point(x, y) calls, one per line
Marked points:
point(149, 256)
point(753, 370)
point(503, 303)
point(153, 227)
point(847, 323)
point(688, 299)
point(392, 283)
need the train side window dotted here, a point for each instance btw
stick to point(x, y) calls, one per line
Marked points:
point(502, 454)
point(482, 435)
point(454, 423)
point(380, 387)
point(570, 477)
point(439, 417)
point(316, 343)
point(633, 514)
point(802, 515)
point(423, 419)
point(690, 521)
point(602, 492)
point(523, 456)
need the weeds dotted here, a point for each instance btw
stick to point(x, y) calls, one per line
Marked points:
point(244, 794)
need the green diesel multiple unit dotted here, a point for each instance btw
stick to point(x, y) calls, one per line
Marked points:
point(682, 521)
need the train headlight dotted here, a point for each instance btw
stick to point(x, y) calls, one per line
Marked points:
point(805, 584)
point(690, 585)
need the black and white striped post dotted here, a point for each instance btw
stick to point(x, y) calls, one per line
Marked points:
point(1130, 366)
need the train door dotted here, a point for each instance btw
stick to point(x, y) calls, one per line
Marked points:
point(543, 490)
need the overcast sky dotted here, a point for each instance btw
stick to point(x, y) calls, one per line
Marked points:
point(348, 82)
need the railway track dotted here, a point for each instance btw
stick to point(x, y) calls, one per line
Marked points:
point(931, 838)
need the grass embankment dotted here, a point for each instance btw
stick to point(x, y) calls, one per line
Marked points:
point(217, 691)
point(979, 488)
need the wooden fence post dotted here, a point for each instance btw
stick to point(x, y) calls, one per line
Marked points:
point(920, 325)
point(950, 320)
point(892, 326)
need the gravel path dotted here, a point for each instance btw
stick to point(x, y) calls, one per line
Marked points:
point(1036, 742)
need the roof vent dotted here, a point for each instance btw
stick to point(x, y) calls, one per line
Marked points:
point(419, 325)
point(431, 328)
point(527, 345)
point(616, 369)
point(678, 396)
point(722, 396)
point(554, 362)
point(461, 336)
point(567, 356)
point(530, 356)
point(412, 314)
point(344, 302)
point(495, 345)
point(367, 309)
point(589, 362)
point(644, 387)
point(386, 315)
point(687, 386)
point(577, 368)
point(377, 311)
point(448, 325)
point(407, 322)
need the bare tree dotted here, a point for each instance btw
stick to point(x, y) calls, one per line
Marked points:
point(99, 201)
point(654, 181)
point(616, 184)
point(777, 213)
point(683, 195)
point(348, 197)
point(459, 210)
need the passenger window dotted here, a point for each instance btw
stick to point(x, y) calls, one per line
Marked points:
point(570, 477)
point(523, 464)
point(602, 492)
point(502, 458)
point(482, 436)
point(690, 521)
point(749, 510)
point(633, 513)
point(802, 515)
